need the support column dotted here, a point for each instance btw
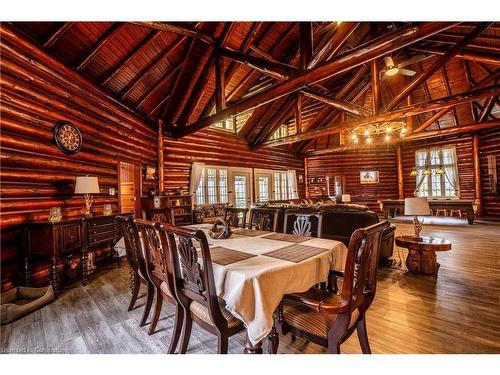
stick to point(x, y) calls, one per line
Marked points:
point(477, 175)
point(399, 158)
point(306, 178)
point(161, 175)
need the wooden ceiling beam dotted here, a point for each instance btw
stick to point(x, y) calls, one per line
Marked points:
point(343, 105)
point(483, 83)
point(55, 35)
point(465, 54)
point(201, 81)
point(305, 44)
point(475, 127)
point(112, 31)
point(159, 59)
point(220, 85)
point(129, 57)
point(377, 48)
point(298, 113)
point(413, 110)
point(487, 107)
point(145, 97)
point(275, 122)
point(440, 62)
point(179, 29)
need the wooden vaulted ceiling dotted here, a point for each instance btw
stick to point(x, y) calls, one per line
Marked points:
point(265, 74)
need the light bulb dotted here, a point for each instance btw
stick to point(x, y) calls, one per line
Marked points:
point(387, 137)
point(367, 133)
point(368, 140)
point(354, 136)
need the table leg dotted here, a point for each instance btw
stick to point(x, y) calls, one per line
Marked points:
point(53, 276)
point(470, 216)
point(386, 212)
point(85, 271)
point(428, 263)
point(252, 349)
point(413, 260)
point(273, 341)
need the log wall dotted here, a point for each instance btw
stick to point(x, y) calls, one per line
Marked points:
point(216, 147)
point(36, 92)
point(489, 144)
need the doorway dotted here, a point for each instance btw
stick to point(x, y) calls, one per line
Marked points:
point(241, 184)
point(129, 188)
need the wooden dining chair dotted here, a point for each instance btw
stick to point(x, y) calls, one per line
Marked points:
point(265, 219)
point(328, 319)
point(158, 259)
point(161, 215)
point(301, 222)
point(195, 288)
point(232, 216)
point(137, 264)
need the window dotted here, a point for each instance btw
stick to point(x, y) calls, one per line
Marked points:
point(281, 132)
point(437, 174)
point(281, 187)
point(213, 186)
point(225, 125)
point(263, 189)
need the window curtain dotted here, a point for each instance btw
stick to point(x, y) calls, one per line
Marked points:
point(451, 168)
point(420, 172)
point(196, 174)
point(292, 183)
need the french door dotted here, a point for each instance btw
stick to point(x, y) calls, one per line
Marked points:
point(264, 187)
point(241, 188)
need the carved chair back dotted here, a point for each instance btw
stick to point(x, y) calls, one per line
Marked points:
point(301, 222)
point(161, 215)
point(234, 216)
point(264, 219)
point(193, 281)
point(157, 252)
point(360, 275)
point(132, 242)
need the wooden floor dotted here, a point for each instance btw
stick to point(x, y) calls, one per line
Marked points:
point(458, 313)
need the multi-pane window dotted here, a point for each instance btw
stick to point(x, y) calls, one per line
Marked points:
point(437, 174)
point(240, 191)
point(213, 186)
point(280, 186)
point(281, 132)
point(225, 125)
point(263, 189)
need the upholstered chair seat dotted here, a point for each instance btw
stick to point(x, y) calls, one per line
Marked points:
point(202, 313)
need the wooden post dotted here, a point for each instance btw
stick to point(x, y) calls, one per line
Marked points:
point(410, 120)
point(477, 175)
point(161, 175)
point(306, 178)
point(298, 113)
point(399, 158)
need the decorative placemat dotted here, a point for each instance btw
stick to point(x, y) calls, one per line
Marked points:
point(249, 232)
point(296, 253)
point(223, 256)
point(286, 237)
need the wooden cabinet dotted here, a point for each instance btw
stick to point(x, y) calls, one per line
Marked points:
point(181, 207)
point(56, 241)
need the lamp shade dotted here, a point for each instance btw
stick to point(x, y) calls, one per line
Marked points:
point(86, 185)
point(346, 197)
point(416, 206)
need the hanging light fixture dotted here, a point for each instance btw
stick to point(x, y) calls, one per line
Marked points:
point(413, 172)
point(427, 171)
point(440, 171)
point(384, 129)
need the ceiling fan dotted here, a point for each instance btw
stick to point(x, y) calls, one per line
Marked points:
point(392, 69)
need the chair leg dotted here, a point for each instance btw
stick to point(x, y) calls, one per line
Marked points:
point(135, 285)
point(222, 344)
point(157, 311)
point(179, 320)
point(186, 332)
point(363, 337)
point(147, 307)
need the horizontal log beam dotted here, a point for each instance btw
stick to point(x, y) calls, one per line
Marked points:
point(413, 137)
point(103, 40)
point(271, 68)
point(465, 54)
point(54, 37)
point(179, 29)
point(351, 108)
point(403, 112)
point(377, 48)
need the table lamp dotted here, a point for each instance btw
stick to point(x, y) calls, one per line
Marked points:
point(346, 198)
point(415, 207)
point(87, 186)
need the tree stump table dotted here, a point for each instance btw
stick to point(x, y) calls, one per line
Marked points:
point(422, 253)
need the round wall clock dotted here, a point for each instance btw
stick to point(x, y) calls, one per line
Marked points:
point(68, 137)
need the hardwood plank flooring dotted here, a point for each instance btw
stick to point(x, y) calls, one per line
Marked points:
point(457, 313)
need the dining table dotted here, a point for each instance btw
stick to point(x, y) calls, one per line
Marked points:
point(254, 269)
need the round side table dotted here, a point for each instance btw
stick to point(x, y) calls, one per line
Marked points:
point(422, 253)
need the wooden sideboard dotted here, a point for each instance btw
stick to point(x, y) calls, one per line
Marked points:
point(390, 205)
point(180, 207)
point(64, 239)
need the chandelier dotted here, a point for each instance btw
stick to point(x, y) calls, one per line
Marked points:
point(387, 130)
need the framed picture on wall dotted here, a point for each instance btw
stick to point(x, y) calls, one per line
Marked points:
point(368, 177)
point(150, 173)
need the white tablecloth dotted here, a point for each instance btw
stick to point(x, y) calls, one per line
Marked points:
point(254, 287)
